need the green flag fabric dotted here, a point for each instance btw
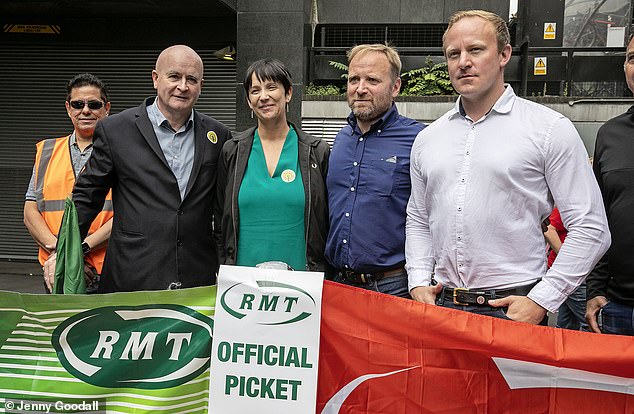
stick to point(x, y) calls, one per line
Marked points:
point(127, 353)
point(69, 268)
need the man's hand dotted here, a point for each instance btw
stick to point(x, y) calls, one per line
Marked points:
point(49, 271)
point(520, 309)
point(50, 247)
point(593, 306)
point(426, 294)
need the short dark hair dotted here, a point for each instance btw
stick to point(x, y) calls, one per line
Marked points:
point(87, 79)
point(268, 69)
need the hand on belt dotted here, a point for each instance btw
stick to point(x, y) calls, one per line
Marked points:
point(361, 278)
point(481, 297)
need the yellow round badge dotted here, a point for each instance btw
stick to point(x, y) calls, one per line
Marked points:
point(212, 137)
point(288, 176)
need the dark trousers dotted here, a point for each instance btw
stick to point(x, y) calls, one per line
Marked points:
point(395, 285)
point(617, 319)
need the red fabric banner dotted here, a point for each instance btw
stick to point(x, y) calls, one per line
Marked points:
point(383, 354)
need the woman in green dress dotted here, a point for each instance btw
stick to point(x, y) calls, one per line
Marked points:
point(272, 181)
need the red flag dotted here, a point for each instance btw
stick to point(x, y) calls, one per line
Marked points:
point(383, 354)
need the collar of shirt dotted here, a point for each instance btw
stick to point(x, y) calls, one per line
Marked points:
point(503, 105)
point(384, 121)
point(158, 119)
point(72, 141)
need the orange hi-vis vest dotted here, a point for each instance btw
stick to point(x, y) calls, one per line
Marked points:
point(54, 181)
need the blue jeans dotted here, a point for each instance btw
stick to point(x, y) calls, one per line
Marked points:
point(572, 313)
point(395, 285)
point(617, 319)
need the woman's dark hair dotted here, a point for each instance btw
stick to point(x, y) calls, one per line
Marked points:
point(87, 79)
point(268, 69)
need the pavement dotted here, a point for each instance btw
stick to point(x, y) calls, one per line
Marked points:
point(21, 276)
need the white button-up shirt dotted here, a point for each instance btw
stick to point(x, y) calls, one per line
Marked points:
point(480, 191)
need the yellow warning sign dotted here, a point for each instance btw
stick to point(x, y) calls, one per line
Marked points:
point(32, 28)
point(550, 31)
point(540, 65)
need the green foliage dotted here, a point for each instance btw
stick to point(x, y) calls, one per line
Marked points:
point(429, 80)
point(341, 67)
point(426, 81)
point(323, 90)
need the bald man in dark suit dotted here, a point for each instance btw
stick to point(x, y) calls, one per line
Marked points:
point(160, 161)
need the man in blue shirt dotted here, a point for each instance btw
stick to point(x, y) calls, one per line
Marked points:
point(368, 177)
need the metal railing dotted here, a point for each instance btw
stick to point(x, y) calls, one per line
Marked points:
point(567, 68)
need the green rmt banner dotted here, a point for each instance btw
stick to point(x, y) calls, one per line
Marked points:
point(119, 353)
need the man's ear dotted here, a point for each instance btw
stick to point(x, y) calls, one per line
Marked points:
point(505, 55)
point(155, 76)
point(396, 87)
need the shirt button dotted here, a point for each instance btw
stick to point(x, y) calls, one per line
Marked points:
point(468, 153)
point(180, 212)
point(347, 214)
point(462, 180)
point(459, 238)
point(460, 265)
point(361, 139)
point(379, 131)
point(355, 163)
point(345, 241)
point(351, 188)
point(179, 242)
point(459, 208)
point(346, 266)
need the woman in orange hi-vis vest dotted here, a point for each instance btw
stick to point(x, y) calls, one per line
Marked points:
point(57, 163)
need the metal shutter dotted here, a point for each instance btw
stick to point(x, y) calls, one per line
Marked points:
point(325, 129)
point(32, 92)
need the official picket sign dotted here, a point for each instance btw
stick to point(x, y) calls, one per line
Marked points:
point(266, 341)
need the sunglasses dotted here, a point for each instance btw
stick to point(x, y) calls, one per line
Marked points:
point(92, 105)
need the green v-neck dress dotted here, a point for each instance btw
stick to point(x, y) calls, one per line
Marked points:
point(271, 209)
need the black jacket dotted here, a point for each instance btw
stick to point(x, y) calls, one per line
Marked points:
point(613, 276)
point(156, 238)
point(313, 162)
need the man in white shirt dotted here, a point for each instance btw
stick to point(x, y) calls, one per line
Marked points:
point(484, 177)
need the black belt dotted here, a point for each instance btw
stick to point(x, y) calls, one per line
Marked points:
point(480, 297)
point(349, 276)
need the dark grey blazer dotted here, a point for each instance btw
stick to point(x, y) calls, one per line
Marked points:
point(156, 239)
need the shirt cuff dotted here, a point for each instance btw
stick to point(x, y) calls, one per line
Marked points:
point(547, 296)
point(416, 278)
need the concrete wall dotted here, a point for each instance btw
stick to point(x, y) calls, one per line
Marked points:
point(270, 29)
point(402, 11)
point(587, 115)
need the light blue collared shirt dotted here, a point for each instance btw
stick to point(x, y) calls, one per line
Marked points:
point(177, 146)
